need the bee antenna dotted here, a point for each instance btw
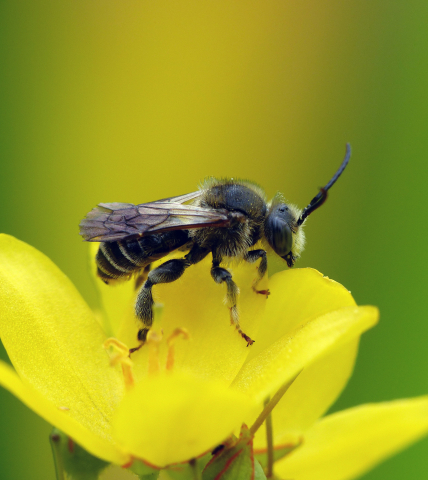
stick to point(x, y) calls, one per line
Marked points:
point(319, 199)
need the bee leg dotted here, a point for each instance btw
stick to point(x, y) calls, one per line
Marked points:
point(165, 273)
point(252, 256)
point(142, 276)
point(221, 275)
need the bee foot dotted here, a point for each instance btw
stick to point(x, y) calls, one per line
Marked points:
point(246, 337)
point(262, 292)
point(132, 350)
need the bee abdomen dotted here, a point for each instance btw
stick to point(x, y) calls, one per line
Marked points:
point(119, 260)
point(113, 263)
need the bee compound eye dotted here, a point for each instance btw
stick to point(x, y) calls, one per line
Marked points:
point(279, 235)
point(283, 240)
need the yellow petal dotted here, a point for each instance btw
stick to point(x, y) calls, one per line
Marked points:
point(297, 296)
point(53, 339)
point(284, 359)
point(117, 301)
point(310, 396)
point(345, 445)
point(195, 302)
point(173, 418)
point(60, 418)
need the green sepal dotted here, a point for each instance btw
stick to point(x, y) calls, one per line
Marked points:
point(235, 460)
point(186, 471)
point(278, 453)
point(72, 461)
point(150, 476)
point(259, 473)
point(144, 471)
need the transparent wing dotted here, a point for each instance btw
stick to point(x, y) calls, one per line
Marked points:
point(109, 222)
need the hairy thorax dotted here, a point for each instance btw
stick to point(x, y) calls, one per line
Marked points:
point(234, 196)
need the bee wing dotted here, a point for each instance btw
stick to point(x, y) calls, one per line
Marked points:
point(109, 222)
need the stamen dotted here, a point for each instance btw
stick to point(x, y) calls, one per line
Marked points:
point(117, 345)
point(178, 332)
point(120, 355)
point(153, 341)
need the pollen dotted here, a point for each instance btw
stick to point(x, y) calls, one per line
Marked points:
point(119, 354)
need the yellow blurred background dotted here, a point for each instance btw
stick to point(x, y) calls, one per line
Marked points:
point(132, 101)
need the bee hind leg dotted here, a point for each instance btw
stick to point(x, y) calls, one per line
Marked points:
point(142, 276)
point(251, 257)
point(165, 273)
point(221, 275)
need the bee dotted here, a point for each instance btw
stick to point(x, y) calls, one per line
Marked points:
point(225, 218)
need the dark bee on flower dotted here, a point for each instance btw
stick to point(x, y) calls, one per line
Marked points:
point(225, 218)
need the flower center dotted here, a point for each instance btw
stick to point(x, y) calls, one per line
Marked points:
point(119, 353)
point(154, 340)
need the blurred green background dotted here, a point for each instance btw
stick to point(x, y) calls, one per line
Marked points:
point(136, 100)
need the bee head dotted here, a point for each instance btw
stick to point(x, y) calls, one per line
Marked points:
point(282, 231)
point(283, 224)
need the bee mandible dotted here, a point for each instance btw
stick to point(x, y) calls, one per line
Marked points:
point(225, 218)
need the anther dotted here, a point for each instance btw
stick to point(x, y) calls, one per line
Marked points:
point(178, 332)
point(120, 355)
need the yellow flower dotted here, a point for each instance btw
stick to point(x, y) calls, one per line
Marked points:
point(181, 397)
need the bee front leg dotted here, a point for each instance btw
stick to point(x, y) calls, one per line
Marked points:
point(251, 257)
point(221, 275)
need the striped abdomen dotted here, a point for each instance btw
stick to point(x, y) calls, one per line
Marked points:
point(119, 260)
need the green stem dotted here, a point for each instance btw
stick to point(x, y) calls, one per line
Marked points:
point(269, 443)
point(271, 405)
point(194, 466)
point(55, 440)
